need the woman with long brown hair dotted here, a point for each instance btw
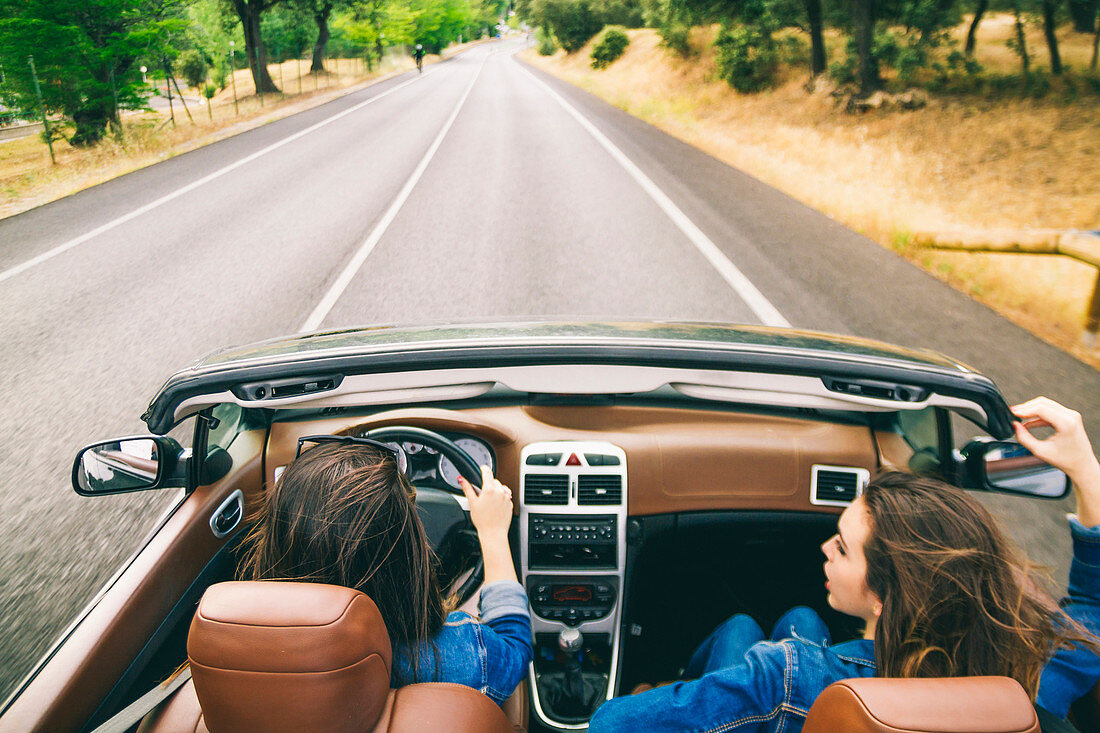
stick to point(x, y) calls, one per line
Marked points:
point(942, 593)
point(343, 513)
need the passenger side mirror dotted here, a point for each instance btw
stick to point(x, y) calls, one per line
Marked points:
point(128, 464)
point(1005, 465)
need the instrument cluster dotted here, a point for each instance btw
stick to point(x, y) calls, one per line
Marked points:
point(427, 466)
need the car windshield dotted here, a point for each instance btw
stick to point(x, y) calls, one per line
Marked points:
point(403, 205)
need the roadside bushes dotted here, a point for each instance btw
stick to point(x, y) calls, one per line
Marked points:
point(746, 57)
point(573, 23)
point(546, 45)
point(610, 46)
point(675, 36)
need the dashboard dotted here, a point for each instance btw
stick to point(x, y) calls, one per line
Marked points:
point(579, 473)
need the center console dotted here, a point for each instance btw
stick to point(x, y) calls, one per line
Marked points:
point(572, 550)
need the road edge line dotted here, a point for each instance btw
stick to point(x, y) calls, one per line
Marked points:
point(736, 279)
point(76, 241)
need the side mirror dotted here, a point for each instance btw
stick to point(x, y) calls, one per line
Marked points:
point(129, 464)
point(1005, 465)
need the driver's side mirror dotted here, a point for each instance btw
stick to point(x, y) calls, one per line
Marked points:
point(129, 464)
point(1005, 465)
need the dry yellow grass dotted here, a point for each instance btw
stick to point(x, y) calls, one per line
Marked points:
point(957, 163)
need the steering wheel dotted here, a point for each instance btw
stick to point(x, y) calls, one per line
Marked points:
point(441, 515)
point(406, 433)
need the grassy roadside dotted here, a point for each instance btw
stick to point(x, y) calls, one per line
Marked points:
point(28, 180)
point(962, 161)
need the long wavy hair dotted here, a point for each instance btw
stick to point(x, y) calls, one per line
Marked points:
point(957, 598)
point(344, 514)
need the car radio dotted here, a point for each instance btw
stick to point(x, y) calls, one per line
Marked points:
point(578, 541)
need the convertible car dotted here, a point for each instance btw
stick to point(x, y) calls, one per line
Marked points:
point(666, 475)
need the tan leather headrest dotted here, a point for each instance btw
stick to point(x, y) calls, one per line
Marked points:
point(955, 705)
point(280, 656)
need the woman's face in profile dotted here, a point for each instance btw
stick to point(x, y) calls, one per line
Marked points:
point(846, 565)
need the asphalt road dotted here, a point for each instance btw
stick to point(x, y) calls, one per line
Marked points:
point(511, 207)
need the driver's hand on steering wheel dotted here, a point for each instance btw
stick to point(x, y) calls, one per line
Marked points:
point(491, 510)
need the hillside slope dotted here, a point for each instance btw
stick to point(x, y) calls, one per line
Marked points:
point(961, 161)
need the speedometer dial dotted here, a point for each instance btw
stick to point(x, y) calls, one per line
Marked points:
point(477, 450)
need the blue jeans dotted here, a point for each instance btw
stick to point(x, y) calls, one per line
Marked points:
point(726, 646)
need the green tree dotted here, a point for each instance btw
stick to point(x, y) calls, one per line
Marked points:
point(212, 24)
point(86, 53)
point(320, 12)
point(250, 13)
point(1084, 14)
point(192, 67)
point(573, 22)
point(287, 30)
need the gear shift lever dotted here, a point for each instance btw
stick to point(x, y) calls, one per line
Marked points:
point(573, 699)
point(570, 640)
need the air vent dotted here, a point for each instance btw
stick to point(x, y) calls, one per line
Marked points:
point(599, 490)
point(542, 488)
point(837, 485)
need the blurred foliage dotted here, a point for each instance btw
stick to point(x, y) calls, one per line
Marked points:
point(192, 67)
point(573, 23)
point(545, 40)
point(746, 58)
point(87, 55)
point(609, 46)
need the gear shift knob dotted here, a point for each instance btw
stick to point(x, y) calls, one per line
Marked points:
point(570, 640)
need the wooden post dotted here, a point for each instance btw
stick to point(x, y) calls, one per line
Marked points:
point(1092, 318)
point(168, 88)
point(233, 77)
point(42, 109)
point(182, 100)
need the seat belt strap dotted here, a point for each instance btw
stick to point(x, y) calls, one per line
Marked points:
point(126, 718)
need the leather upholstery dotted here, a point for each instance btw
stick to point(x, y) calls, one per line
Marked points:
point(280, 656)
point(288, 656)
point(441, 706)
point(956, 705)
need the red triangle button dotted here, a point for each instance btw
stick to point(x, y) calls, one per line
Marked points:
point(573, 460)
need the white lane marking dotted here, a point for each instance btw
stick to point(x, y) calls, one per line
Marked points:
point(342, 282)
point(744, 288)
point(50, 254)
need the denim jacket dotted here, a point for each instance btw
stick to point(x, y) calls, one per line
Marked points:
point(772, 691)
point(490, 655)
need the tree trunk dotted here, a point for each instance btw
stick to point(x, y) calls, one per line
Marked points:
point(1021, 40)
point(863, 12)
point(90, 122)
point(1084, 14)
point(972, 34)
point(321, 19)
point(1095, 45)
point(249, 11)
point(1049, 9)
point(818, 61)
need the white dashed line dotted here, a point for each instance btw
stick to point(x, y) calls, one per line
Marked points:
point(342, 282)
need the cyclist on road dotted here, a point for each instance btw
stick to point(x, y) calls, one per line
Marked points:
point(418, 54)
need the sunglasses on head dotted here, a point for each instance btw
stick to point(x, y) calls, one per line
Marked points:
point(391, 448)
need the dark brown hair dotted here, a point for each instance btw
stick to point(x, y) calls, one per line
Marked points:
point(957, 598)
point(343, 514)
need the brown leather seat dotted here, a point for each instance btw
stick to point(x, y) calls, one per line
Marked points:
point(280, 656)
point(956, 705)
